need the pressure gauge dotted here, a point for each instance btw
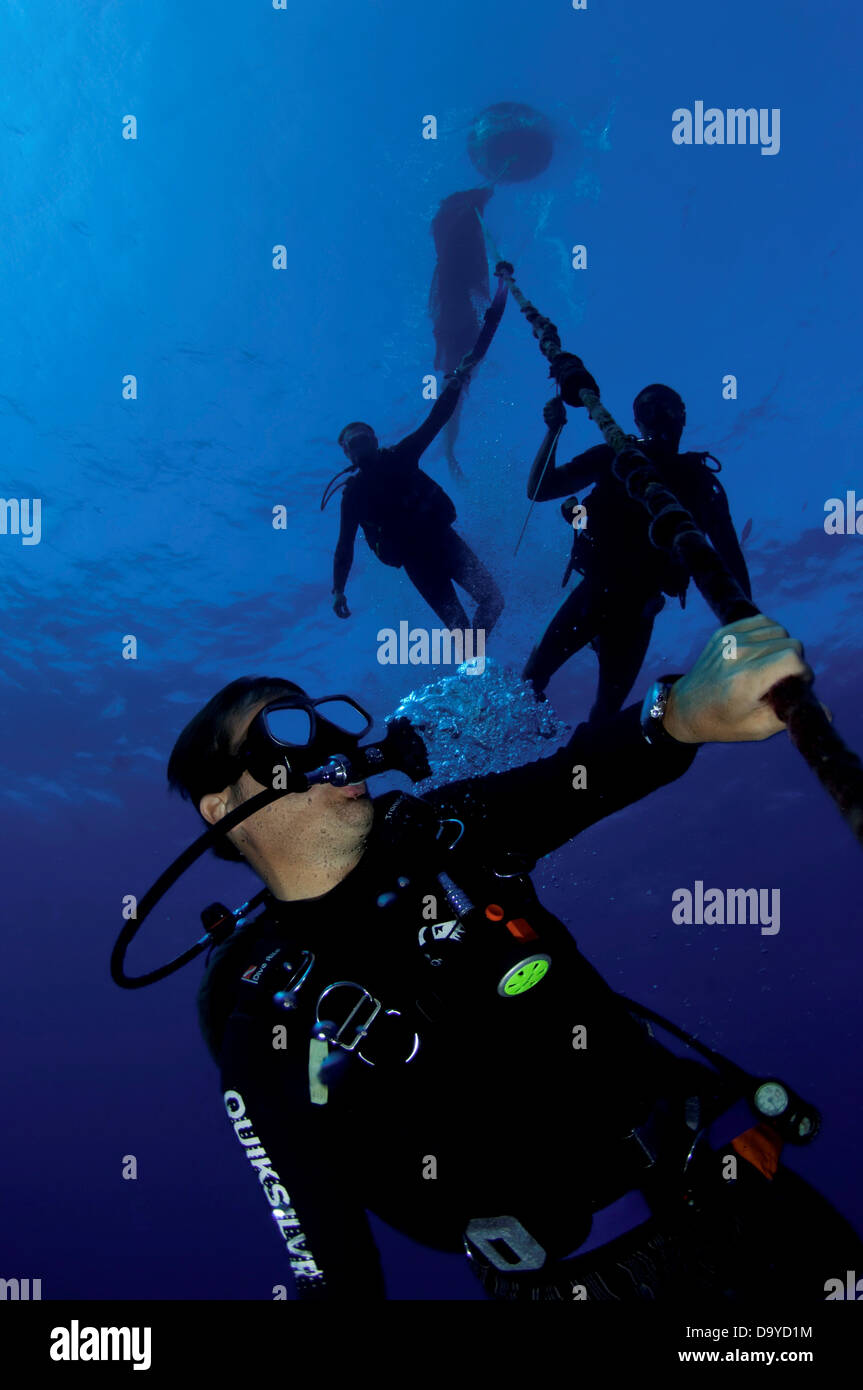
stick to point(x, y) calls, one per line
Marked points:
point(771, 1099)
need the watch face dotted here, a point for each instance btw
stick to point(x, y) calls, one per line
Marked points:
point(771, 1098)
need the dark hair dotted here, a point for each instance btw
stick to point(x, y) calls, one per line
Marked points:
point(202, 759)
point(355, 425)
point(656, 389)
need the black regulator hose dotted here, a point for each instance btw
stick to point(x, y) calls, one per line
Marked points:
point(167, 880)
point(401, 750)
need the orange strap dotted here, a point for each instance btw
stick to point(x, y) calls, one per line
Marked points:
point(760, 1146)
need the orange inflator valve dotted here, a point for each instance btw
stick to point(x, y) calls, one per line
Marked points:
point(521, 930)
point(760, 1146)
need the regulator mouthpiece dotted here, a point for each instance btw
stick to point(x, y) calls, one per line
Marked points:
point(401, 750)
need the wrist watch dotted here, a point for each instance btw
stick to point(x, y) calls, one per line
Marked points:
point(653, 712)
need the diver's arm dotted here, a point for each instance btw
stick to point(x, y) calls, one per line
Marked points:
point(546, 480)
point(538, 807)
point(444, 407)
point(540, 479)
point(719, 529)
point(328, 1243)
point(582, 471)
point(559, 481)
point(344, 556)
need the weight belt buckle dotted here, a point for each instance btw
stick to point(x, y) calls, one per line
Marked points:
point(361, 1027)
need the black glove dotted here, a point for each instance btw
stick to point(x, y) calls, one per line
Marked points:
point(554, 413)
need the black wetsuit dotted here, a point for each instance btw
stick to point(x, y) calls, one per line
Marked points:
point(407, 519)
point(497, 1111)
point(625, 576)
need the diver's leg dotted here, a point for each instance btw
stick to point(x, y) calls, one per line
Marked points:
point(574, 624)
point(471, 574)
point(621, 646)
point(427, 571)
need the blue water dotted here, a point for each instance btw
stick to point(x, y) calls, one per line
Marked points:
point(154, 257)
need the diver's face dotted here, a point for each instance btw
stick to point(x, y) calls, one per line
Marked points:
point(661, 423)
point(313, 825)
point(360, 445)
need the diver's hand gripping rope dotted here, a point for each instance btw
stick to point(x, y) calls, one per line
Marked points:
point(837, 766)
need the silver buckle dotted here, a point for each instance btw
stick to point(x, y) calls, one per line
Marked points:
point(394, 1013)
point(488, 1234)
point(360, 1028)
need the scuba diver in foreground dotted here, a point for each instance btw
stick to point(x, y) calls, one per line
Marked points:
point(407, 518)
point(615, 605)
point(402, 1028)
